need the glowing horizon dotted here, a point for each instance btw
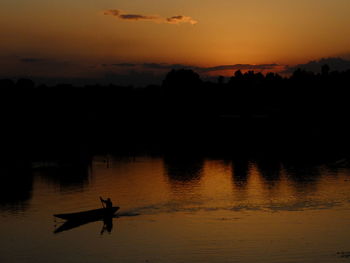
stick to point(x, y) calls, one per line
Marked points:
point(66, 39)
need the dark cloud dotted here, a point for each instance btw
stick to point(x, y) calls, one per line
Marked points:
point(127, 65)
point(44, 61)
point(137, 79)
point(338, 64)
point(241, 67)
point(157, 19)
point(165, 66)
point(156, 66)
point(112, 12)
point(32, 60)
point(181, 19)
point(137, 17)
point(131, 17)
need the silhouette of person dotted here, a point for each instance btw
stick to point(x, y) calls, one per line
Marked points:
point(108, 203)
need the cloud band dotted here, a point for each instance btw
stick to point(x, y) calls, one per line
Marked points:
point(175, 20)
point(165, 66)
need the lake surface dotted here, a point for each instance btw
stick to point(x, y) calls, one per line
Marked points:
point(177, 209)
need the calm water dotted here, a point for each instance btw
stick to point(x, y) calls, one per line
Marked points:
point(177, 210)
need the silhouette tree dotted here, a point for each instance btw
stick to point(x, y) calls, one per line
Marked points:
point(325, 70)
point(182, 79)
point(25, 83)
point(221, 80)
point(182, 93)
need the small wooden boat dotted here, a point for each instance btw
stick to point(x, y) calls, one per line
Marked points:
point(89, 215)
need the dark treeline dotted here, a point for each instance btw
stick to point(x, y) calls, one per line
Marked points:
point(305, 113)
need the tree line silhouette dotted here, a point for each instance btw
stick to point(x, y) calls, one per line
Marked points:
point(302, 113)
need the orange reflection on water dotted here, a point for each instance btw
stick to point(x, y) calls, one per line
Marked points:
point(130, 182)
point(188, 210)
point(212, 184)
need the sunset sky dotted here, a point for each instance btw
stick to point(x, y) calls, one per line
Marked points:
point(106, 38)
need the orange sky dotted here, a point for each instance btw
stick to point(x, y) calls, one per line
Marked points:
point(78, 39)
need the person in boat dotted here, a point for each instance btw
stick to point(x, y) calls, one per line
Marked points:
point(108, 203)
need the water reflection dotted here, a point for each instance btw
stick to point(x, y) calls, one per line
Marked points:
point(66, 175)
point(16, 185)
point(240, 173)
point(270, 170)
point(238, 207)
point(183, 169)
point(303, 176)
point(187, 178)
point(107, 225)
point(72, 224)
point(18, 177)
point(184, 176)
point(339, 165)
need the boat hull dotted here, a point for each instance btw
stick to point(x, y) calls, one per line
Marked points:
point(89, 215)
